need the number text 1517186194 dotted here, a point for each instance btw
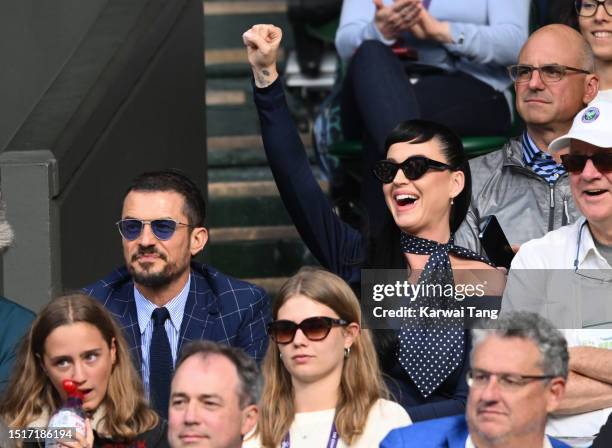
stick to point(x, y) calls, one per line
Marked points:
point(38, 434)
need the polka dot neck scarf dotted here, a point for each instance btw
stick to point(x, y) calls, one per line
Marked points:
point(429, 351)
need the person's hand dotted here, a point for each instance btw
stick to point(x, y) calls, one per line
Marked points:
point(427, 26)
point(81, 441)
point(399, 16)
point(262, 43)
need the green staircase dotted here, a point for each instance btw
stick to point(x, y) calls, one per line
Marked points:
point(251, 234)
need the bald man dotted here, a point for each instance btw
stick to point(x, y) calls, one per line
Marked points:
point(524, 186)
point(528, 190)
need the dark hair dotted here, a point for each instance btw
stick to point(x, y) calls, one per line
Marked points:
point(246, 368)
point(174, 180)
point(421, 131)
point(383, 245)
point(564, 12)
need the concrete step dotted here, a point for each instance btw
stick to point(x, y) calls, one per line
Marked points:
point(245, 150)
point(242, 195)
point(226, 98)
point(255, 210)
point(275, 257)
point(240, 181)
point(239, 173)
point(251, 234)
point(273, 232)
point(223, 30)
point(239, 7)
point(247, 202)
point(232, 120)
point(232, 63)
point(240, 86)
point(241, 189)
point(224, 23)
point(271, 284)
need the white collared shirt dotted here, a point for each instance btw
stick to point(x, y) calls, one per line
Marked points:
point(144, 310)
point(563, 277)
point(558, 249)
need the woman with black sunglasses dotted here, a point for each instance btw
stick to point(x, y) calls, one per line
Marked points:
point(426, 182)
point(322, 383)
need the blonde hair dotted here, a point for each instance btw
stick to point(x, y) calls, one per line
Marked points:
point(361, 384)
point(30, 393)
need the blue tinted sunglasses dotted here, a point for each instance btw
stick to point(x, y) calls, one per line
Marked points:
point(163, 229)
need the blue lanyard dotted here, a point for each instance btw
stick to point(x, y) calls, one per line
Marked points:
point(331, 443)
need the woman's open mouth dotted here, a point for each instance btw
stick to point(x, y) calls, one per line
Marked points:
point(403, 200)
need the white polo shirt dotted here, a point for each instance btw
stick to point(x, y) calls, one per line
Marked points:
point(562, 277)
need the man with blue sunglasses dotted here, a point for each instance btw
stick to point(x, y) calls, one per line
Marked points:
point(161, 297)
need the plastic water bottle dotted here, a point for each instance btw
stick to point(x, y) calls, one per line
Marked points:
point(70, 416)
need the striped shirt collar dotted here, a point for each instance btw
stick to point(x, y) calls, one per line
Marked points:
point(176, 307)
point(540, 162)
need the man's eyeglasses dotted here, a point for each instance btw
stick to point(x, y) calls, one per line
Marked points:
point(413, 167)
point(588, 8)
point(575, 163)
point(314, 328)
point(163, 229)
point(477, 378)
point(548, 73)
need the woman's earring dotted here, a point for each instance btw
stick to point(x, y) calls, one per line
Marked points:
point(452, 201)
point(347, 352)
point(280, 355)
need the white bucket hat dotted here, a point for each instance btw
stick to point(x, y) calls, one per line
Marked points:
point(592, 124)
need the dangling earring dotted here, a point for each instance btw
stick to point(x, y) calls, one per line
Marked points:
point(452, 201)
point(347, 352)
point(280, 355)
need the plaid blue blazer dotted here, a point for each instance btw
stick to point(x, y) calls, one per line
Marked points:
point(219, 308)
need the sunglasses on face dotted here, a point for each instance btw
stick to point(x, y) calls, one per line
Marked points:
point(314, 328)
point(163, 229)
point(413, 168)
point(575, 163)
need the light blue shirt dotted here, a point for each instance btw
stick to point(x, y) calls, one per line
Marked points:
point(487, 35)
point(144, 310)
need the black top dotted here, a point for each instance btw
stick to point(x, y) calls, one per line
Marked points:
point(339, 247)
